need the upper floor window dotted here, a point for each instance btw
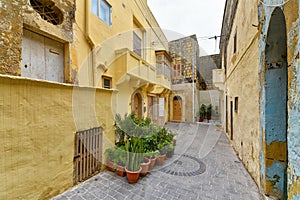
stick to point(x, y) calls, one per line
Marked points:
point(48, 11)
point(137, 44)
point(103, 10)
point(235, 42)
point(163, 62)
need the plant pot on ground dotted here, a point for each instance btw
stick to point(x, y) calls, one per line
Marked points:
point(109, 156)
point(120, 158)
point(145, 166)
point(160, 159)
point(202, 112)
point(152, 162)
point(152, 158)
point(134, 156)
point(170, 150)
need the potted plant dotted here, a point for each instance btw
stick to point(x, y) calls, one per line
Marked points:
point(145, 166)
point(163, 154)
point(202, 113)
point(208, 112)
point(153, 157)
point(170, 150)
point(120, 155)
point(134, 157)
point(109, 154)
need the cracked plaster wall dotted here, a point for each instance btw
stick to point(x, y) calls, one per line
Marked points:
point(291, 10)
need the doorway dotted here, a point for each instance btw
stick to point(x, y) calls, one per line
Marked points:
point(42, 57)
point(275, 117)
point(177, 108)
point(138, 105)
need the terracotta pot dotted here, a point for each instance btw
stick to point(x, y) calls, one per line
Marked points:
point(132, 177)
point(152, 163)
point(120, 170)
point(145, 167)
point(160, 159)
point(110, 166)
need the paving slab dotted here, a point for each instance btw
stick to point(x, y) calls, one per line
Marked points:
point(204, 166)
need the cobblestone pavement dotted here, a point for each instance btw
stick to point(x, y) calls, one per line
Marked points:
point(204, 167)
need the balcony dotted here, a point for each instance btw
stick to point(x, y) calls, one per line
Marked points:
point(130, 64)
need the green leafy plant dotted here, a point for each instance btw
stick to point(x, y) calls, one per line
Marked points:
point(134, 151)
point(202, 110)
point(109, 154)
point(209, 111)
point(120, 155)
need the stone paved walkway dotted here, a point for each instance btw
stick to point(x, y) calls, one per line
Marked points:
point(204, 167)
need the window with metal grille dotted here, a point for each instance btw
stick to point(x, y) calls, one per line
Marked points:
point(48, 11)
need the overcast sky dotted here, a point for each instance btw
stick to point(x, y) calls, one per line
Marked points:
point(188, 17)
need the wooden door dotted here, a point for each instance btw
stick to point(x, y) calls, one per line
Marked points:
point(177, 109)
point(42, 57)
point(137, 105)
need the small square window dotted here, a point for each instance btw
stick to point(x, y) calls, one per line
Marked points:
point(106, 82)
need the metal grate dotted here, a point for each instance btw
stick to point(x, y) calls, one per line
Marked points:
point(88, 153)
point(47, 11)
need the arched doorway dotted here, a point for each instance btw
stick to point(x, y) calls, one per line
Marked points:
point(275, 106)
point(137, 105)
point(177, 108)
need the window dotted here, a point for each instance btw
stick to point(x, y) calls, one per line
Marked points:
point(137, 44)
point(177, 71)
point(236, 104)
point(235, 43)
point(106, 82)
point(103, 10)
point(48, 11)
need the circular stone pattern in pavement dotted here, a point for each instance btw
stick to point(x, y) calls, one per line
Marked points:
point(185, 165)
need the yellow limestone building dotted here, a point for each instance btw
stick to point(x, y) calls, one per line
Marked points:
point(119, 45)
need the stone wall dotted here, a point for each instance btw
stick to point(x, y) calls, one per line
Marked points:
point(289, 147)
point(37, 130)
point(16, 15)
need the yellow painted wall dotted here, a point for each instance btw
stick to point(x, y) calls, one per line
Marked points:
point(37, 135)
point(242, 82)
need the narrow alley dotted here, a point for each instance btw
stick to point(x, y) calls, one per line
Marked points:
point(205, 167)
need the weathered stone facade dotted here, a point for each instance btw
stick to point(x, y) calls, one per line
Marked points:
point(19, 15)
point(260, 54)
point(185, 70)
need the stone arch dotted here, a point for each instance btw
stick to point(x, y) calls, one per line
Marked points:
point(274, 117)
point(137, 104)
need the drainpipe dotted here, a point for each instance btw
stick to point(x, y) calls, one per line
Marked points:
point(87, 35)
point(193, 79)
